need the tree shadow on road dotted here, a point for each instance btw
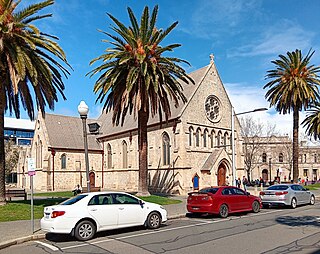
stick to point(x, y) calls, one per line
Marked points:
point(299, 221)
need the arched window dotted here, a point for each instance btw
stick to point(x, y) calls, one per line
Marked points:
point(165, 149)
point(109, 156)
point(205, 137)
point(40, 154)
point(37, 155)
point(212, 138)
point(190, 136)
point(63, 161)
point(198, 137)
point(264, 157)
point(218, 139)
point(225, 139)
point(124, 154)
point(280, 157)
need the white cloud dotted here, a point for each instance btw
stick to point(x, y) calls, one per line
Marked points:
point(211, 18)
point(243, 97)
point(95, 111)
point(246, 98)
point(277, 39)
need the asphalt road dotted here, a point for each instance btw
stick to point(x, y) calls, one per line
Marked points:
point(279, 230)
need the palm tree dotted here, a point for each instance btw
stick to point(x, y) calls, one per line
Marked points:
point(312, 121)
point(136, 77)
point(294, 87)
point(29, 60)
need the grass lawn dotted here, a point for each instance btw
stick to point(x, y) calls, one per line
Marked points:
point(21, 210)
point(62, 194)
point(313, 186)
point(161, 200)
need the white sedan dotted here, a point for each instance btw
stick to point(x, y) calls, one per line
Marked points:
point(88, 213)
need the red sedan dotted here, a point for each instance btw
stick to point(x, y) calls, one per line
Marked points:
point(222, 200)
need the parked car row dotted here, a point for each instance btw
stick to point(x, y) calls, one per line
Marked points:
point(224, 200)
point(87, 213)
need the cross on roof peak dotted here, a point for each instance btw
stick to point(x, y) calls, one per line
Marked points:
point(211, 58)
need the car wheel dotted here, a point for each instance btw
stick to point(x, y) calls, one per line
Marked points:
point(293, 203)
point(255, 206)
point(224, 211)
point(84, 230)
point(154, 220)
point(312, 200)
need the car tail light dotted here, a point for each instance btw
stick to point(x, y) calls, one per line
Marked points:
point(56, 214)
point(262, 193)
point(281, 193)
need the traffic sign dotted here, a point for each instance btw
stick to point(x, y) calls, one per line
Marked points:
point(31, 167)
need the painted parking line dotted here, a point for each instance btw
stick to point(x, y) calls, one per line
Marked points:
point(49, 246)
point(202, 223)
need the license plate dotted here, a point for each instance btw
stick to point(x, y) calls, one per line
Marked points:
point(195, 208)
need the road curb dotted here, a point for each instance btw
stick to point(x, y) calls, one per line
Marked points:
point(178, 216)
point(21, 240)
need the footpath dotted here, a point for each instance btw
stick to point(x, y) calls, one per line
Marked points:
point(16, 232)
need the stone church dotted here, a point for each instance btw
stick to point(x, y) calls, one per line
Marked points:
point(190, 151)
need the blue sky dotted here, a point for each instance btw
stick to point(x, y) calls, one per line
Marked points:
point(243, 35)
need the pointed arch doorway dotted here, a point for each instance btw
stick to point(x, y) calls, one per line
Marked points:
point(221, 175)
point(92, 179)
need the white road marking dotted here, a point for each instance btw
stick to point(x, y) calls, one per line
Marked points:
point(51, 247)
point(169, 229)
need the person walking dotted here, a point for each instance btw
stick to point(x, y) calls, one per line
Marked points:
point(238, 181)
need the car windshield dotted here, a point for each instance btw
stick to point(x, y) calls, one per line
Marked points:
point(278, 187)
point(73, 200)
point(209, 190)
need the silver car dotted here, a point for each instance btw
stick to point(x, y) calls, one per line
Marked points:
point(287, 194)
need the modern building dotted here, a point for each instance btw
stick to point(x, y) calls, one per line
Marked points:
point(20, 131)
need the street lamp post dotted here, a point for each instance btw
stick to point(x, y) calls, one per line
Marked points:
point(270, 181)
point(233, 147)
point(83, 110)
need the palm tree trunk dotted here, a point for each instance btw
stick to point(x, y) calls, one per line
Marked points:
point(295, 145)
point(143, 153)
point(2, 155)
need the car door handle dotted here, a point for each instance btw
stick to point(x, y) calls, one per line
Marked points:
point(93, 209)
point(121, 208)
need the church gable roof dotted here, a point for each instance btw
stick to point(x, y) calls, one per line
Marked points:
point(130, 123)
point(67, 132)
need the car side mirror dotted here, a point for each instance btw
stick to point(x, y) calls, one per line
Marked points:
point(141, 203)
point(306, 189)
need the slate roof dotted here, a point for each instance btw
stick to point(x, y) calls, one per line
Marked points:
point(67, 132)
point(212, 158)
point(130, 123)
